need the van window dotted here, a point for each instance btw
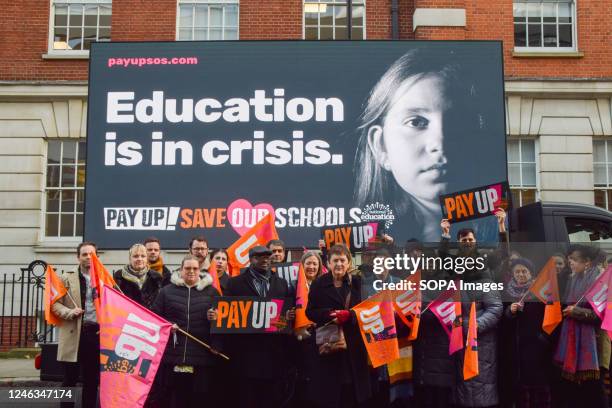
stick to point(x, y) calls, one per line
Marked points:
point(588, 230)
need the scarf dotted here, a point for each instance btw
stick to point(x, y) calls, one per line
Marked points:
point(516, 291)
point(261, 281)
point(158, 265)
point(576, 352)
point(133, 276)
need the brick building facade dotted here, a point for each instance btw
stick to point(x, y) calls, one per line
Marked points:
point(558, 80)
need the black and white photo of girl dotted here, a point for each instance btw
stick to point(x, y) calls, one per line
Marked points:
point(420, 134)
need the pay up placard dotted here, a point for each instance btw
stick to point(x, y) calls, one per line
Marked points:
point(287, 271)
point(476, 202)
point(244, 315)
point(355, 236)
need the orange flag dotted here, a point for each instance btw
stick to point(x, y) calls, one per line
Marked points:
point(301, 300)
point(54, 290)
point(546, 289)
point(470, 361)
point(212, 270)
point(377, 325)
point(260, 234)
point(407, 304)
point(100, 277)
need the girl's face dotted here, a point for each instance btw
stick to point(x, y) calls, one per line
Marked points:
point(311, 267)
point(221, 260)
point(410, 141)
point(138, 259)
point(521, 274)
point(577, 263)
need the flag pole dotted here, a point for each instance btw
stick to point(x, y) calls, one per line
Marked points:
point(212, 350)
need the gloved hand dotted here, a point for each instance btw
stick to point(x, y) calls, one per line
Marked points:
point(342, 316)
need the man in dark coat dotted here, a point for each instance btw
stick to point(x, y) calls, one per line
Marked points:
point(155, 259)
point(480, 391)
point(259, 361)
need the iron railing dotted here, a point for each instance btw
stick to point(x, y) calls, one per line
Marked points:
point(22, 322)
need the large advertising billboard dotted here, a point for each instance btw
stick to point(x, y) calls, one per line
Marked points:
point(205, 138)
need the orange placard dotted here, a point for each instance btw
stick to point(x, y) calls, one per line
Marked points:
point(260, 234)
point(377, 326)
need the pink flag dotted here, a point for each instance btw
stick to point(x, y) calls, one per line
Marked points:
point(132, 342)
point(606, 323)
point(447, 308)
point(597, 295)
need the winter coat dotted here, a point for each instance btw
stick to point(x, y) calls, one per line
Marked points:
point(432, 365)
point(70, 329)
point(224, 281)
point(145, 296)
point(257, 356)
point(329, 370)
point(187, 308)
point(480, 391)
point(525, 349)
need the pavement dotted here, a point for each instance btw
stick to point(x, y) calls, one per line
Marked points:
point(18, 370)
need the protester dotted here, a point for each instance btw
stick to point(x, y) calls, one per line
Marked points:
point(468, 245)
point(155, 259)
point(342, 375)
point(277, 247)
point(480, 391)
point(583, 350)
point(526, 349)
point(220, 257)
point(434, 370)
point(79, 340)
point(313, 266)
point(198, 247)
point(259, 361)
point(369, 276)
point(306, 352)
point(188, 368)
point(136, 280)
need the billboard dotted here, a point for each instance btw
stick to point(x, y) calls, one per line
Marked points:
point(205, 138)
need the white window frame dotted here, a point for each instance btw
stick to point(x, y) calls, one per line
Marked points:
point(69, 53)
point(542, 48)
point(180, 3)
point(608, 164)
point(43, 221)
point(331, 2)
point(536, 188)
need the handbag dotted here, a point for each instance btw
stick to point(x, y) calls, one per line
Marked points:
point(330, 337)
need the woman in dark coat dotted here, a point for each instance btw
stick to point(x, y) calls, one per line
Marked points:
point(480, 391)
point(136, 280)
point(341, 378)
point(433, 367)
point(187, 368)
point(526, 350)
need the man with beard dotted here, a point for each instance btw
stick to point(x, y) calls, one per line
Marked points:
point(277, 247)
point(155, 260)
point(468, 246)
point(198, 247)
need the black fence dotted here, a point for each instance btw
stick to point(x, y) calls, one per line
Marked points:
point(22, 321)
